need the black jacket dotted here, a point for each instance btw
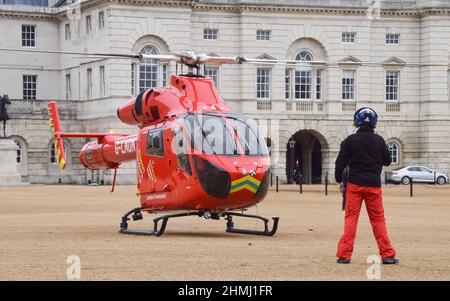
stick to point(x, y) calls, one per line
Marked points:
point(365, 153)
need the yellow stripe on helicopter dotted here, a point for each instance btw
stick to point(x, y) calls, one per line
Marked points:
point(247, 182)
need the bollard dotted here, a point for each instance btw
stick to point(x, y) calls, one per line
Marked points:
point(277, 182)
point(385, 178)
point(434, 177)
point(271, 179)
point(326, 183)
point(301, 185)
point(410, 187)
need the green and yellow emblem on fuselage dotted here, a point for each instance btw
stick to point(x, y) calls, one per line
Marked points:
point(247, 182)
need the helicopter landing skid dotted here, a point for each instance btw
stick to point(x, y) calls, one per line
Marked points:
point(266, 232)
point(158, 230)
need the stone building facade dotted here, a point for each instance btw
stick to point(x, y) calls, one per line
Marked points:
point(390, 55)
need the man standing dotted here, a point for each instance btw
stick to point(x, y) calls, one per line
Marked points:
point(365, 153)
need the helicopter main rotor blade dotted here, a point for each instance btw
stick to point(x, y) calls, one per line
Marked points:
point(161, 57)
point(193, 59)
point(282, 62)
point(203, 59)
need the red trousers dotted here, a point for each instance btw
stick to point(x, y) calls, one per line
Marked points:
point(374, 205)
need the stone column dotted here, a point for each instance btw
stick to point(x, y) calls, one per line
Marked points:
point(9, 175)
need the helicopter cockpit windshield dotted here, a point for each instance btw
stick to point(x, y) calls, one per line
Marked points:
point(225, 134)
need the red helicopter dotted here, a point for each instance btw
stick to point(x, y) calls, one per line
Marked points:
point(193, 153)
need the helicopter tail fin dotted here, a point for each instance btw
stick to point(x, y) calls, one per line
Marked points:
point(55, 129)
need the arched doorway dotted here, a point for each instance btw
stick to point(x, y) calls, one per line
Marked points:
point(304, 157)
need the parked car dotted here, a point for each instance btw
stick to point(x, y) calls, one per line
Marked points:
point(418, 174)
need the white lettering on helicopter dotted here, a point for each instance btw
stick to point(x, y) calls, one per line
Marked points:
point(124, 146)
point(156, 197)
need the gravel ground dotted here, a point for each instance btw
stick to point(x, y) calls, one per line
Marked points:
point(42, 225)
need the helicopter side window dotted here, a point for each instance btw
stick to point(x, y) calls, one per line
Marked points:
point(181, 151)
point(155, 145)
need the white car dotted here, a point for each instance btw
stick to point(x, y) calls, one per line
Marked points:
point(418, 174)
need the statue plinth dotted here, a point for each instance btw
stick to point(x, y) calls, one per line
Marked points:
point(9, 175)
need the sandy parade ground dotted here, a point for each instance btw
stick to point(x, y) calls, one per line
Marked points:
point(42, 225)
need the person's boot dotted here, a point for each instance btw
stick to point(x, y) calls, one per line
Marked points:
point(343, 261)
point(390, 260)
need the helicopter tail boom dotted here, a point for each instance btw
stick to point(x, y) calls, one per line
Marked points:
point(103, 139)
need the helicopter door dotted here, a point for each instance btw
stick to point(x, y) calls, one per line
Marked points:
point(155, 165)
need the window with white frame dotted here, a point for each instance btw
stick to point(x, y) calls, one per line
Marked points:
point(287, 83)
point(165, 74)
point(263, 82)
point(348, 84)
point(89, 83)
point(392, 85)
point(263, 35)
point(348, 37)
point(101, 20)
point(29, 35)
point(303, 77)
point(148, 70)
point(102, 81)
point(319, 81)
point(29, 87)
point(68, 34)
point(88, 23)
point(392, 38)
point(394, 152)
point(133, 78)
point(210, 34)
point(68, 87)
point(213, 72)
point(304, 82)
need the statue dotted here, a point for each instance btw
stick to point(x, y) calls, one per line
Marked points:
point(4, 102)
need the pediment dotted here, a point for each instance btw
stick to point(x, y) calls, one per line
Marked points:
point(394, 61)
point(350, 60)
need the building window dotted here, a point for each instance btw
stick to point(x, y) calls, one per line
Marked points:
point(89, 83)
point(303, 77)
point(29, 86)
point(101, 20)
point(19, 153)
point(393, 151)
point(263, 35)
point(26, 2)
point(148, 70)
point(67, 31)
point(392, 85)
point(88, 24)
point(102, 81)
point(319, 84)
point(165, 74)
point(307, 82)
point(348, 84)
point(213, 72)
point(287, 83)
point(210, 34)
point(133, 78)
point(262, 82)
point(29, 35)
point(53, 158)
point(392, 39)
point(348, 37)
point(68, 87)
